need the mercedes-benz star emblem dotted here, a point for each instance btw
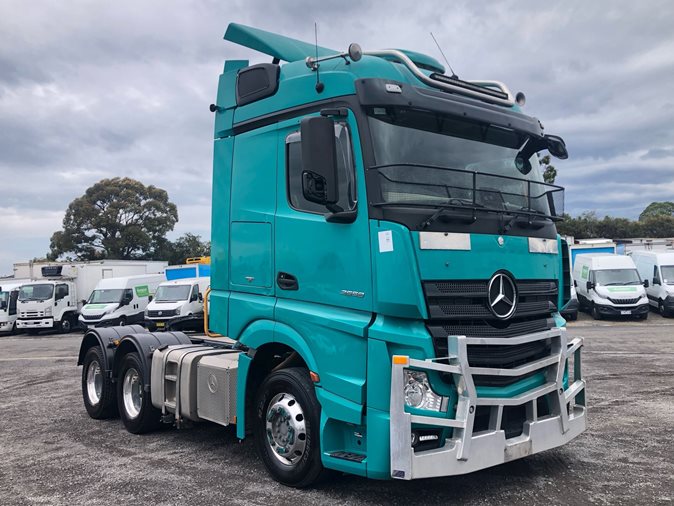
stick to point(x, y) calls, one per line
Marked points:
point(502, 296)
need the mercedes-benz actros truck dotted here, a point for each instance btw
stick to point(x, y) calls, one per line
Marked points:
point(385, 266)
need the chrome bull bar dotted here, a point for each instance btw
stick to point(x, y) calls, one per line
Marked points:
point(467, 451)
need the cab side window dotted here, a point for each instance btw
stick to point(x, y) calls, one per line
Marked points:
point(61, 291)
point(128, 294)
point(347, 176)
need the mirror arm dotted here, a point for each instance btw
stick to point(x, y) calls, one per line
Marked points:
point(342, 216)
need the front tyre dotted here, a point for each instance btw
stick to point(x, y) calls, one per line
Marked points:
point(134, 404)
point(286, 427)
point(595, 312)
point(98, 392)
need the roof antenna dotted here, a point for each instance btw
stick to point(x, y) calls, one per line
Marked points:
point(454, 76)
point(319, 85)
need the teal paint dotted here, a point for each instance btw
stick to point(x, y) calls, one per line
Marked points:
point(242, 382)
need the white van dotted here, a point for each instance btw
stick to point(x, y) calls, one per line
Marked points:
point(609, 285)
point(119, 301)
point(9, 293)
point(178, 305)
point(658, 269)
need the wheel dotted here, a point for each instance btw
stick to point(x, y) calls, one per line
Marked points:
point(286, 427)
point(98, 391)
point(122, 321)
point(134, 404)
point(595, 312)
point(66, 324)
point(642, 316)
point(661, 308)
point(573, 317)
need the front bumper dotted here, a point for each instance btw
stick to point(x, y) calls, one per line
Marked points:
point(6, 326)
point(35, 323)
point(466, 451)
point(637, 310)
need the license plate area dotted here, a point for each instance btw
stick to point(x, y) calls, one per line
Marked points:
point(625, 311)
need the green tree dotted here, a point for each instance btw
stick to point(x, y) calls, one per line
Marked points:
point(186, 246)
point(549, 171)
point(655, 209)
point(117, 218)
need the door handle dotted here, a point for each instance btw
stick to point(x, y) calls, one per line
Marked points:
point(287, 281)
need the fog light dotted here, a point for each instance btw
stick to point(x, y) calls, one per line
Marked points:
point(418, 392)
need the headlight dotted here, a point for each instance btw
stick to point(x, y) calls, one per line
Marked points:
point(418, 392)
point(177, 312)
point(47, 312)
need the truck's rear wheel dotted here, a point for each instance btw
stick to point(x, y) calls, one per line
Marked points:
point(286, 426)
point(135, 406)
point(98, 392)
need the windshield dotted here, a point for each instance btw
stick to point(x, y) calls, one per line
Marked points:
point(36, 292)
point(172, 293)
point(429, 159)
point(614, 277)
point(667, 274)
point(105, 296)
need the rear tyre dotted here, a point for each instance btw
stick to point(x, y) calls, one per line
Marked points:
point(134, 404)
point(595, 312)
point(286, 427)
point(98, 392)
point(573, 317)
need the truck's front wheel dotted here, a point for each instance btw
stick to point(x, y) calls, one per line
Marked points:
point(98, 392)
point(135, 406)
point(287, 418)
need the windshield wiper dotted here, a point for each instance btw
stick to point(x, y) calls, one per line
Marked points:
point(443, 210)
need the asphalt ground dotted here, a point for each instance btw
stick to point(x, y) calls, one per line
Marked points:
point(51, 452)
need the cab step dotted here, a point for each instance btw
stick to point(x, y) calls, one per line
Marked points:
point(353, 457)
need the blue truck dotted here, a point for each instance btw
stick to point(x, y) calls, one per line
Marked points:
point(385, 266)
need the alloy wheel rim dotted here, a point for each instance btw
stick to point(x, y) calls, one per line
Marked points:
point(286, 429)
point(132, 393)
point(94, 382)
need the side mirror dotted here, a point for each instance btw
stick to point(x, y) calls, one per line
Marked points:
point(656, 281)
point(646, 284)
point(589, 285)
point(201, 297)
point(319, 161)
point(575, 283)
point(83, 301)
point(556, 147)
point(149, 298)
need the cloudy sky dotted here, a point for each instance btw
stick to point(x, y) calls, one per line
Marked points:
point(93, 89)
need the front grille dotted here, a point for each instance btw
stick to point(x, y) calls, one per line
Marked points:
point(624, 301)
point(92, 316)
point(31, 314)
point(461, 308)
point(161, 314)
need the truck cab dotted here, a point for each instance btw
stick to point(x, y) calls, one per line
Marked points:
point(9, 293)
point(385, 265)
point(178, 305)
point(45, 305)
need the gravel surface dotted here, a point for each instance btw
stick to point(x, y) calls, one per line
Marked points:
point(51, 452)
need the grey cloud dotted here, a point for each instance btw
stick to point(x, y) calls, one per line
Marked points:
point(91, 90)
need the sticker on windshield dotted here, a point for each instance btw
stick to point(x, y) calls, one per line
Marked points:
point(142, 291)
point(385, 241)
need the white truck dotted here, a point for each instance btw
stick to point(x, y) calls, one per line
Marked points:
point(178, 305)
point(9, 293)
point(609, 285)
point(119, 301)
point(658, 268)
point(54, 298)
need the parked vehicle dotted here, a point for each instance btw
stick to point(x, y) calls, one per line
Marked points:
point(178, 305)
point(54, 300)
point(119, 301)
point(386, 266)
point(658, 268)
point(9, 293)
point(609, 285)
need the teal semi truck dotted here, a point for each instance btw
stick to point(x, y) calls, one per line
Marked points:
point(386, 267)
